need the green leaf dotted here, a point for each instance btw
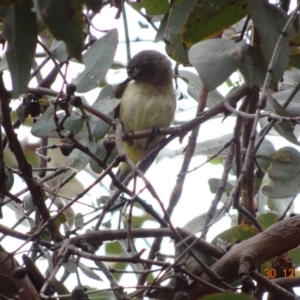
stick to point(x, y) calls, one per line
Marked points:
point(60, 219)
point(89, 272)
point(65, 20)
point(291, 79)
point(162, 29)
point(212, 19)
point(278, 204)
point(194, 88)
point(94, 5)
point(10, 2)
point(269, 21)
point(152, 7)
point(61, 288)
point(101, 153)
point(59, 50)
point(106, 103)
point(70, 266)
point(115, 248)
point(266, 149)
point(217, 161)
point(268, 219)
point(97, 60)
point(295, 60)
point(215, 60)
point(227, 296)
point(295, 256)
point(285, 128)
point(189, 261)
point(100, 295)
point(46, 127)
point(10, 179)
point(284, 171)
point(214, 183)
point(20, 28)
point(28, 204)
point(78, 159)
point(254, 67)
point(106, 106)
point(177, 18)
point(212, 146)
point(195, 225)
point(79, 221)
point(237, 234)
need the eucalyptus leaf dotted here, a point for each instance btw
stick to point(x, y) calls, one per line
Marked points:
point(87, 271)
point(59, 50)
point(280, 204)
point(78, 159)
point(189, 261)
point(195, 225)
point(283, 95)
point(268, 219)
point(79, 221)
point(20, 29)
point(285, 128)
point(212, 146)
point(106, 103)
point(177, 18)
point(236, 234)
point(65, 21)
point(266, 149)
point(97, 60)
point(45, 125)
point(291, 79)
point(194, 88)
point(284, 172)
point(214, 183)
point(152, 7)
point(269, 21)
point(162, 29)
point(212, 19)
point(228, 296)
point(254, 67)
point(94, 5)
point(10, 179)
point(215, 60)
point(70, 266)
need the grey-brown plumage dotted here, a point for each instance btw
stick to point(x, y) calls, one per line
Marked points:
point(148, 101)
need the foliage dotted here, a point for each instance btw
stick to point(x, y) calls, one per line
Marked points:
point(58, 187)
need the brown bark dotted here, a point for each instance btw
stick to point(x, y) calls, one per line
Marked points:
point(277, 239)
point(10, 285)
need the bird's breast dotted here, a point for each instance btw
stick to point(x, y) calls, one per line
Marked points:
point(145, 106)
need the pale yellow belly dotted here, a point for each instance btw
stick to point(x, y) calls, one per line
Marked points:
point(145, 106)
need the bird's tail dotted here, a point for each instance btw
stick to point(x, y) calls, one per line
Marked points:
point(136, 154)
point(121, 174)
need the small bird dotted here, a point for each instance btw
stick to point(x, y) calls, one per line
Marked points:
point(147, 101)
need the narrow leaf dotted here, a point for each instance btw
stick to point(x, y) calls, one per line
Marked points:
point(269, 21)
point(20, 28)
point(177, 18)
point(284, 171)
point(97, 60)
point(212, 19)
point(65, 21)
point(215, 60)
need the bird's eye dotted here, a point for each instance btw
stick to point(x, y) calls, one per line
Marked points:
point(133, 72)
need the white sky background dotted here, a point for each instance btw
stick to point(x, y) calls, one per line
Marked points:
point(196, 197)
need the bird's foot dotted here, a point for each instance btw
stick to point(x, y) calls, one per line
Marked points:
point(128, 136)
point(155, 133)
